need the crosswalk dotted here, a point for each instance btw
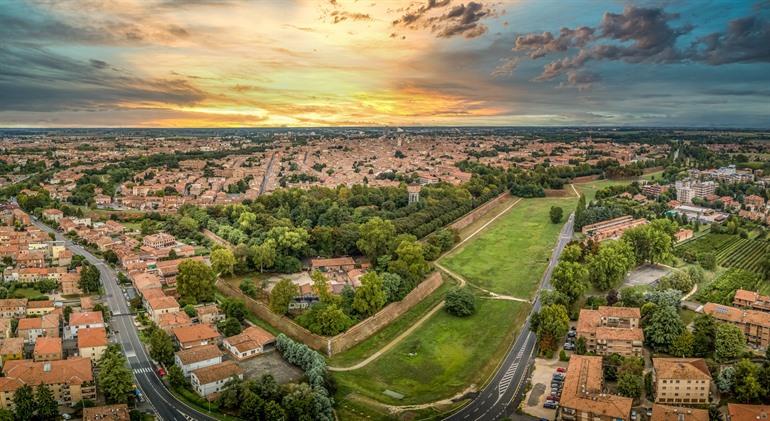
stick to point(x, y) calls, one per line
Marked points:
point(142, 370)
point(505, 381)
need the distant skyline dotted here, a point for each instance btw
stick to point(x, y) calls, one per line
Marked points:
point(272, 63)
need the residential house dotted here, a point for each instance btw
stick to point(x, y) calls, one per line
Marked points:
point(70, 380)
point(159, 240)
point(92, 342)
point(209, 314)
point(195, 335)
point(610, 330)
point(53, 215)
point(681, 381)
point(48, 349)
point(5, 328)
point(161, 305)
point(752, 300)
point(31, 328)
point(251, 342)
point(192, 359)
point(85, 320)
point(214, 378)
point(39, 308)
point(584, 396)
point(171, 321)
point(11, 349)
point(118, 412)
point(13, 307)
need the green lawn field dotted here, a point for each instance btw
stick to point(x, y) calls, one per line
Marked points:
point(589, 189)
point(510, 255)
point(442, 357)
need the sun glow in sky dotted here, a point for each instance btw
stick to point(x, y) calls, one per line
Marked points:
point(232, 63)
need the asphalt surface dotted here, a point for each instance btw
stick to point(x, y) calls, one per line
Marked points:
point(502, 394)
point(165, 405)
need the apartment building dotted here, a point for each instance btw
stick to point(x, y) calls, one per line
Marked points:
point(214, 378)
point(677, 413)
point(752, 300)
point(85, 320)
point(192, 359)
point(34, 327)
point(70, 380)
point(686, 190)
point(755, 324)
point(13, 307)
point(583, 395)
point(159, 240)
point(681, 381)
point(92, 342)
point(610, 330)
point(612, 228)
point(158, 306)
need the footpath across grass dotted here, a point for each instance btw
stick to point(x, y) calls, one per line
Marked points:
point(442, 357)
point(385, 335)
point(511, 254)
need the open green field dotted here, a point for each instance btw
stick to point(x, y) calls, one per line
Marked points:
point(385, 335)
point(510, 255)
point(442, 357)
point(589, 189)
point(491, 213)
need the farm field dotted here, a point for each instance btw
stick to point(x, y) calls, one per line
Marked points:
point(731, 250)
point(510, 255)
point(442, 357)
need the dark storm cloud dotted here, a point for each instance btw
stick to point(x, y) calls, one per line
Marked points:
point(646, 35)
point(461, 20)
point(34, 79)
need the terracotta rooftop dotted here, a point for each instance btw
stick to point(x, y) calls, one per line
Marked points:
point(737, 315)
point(199, 353)
point(117, 412)
point(70, 371)
point(622, 334)
point(12, 346)
point(681, 368)
point(39, 304)
point(743, 412)
point(624, 312)
point(251, 338)
point(337, 261)
point(45, 345)
point(583, 389)
point(92, 337)
point(221, 371)
point(164, 302)
point(674, 413)
point(86, 318)
point(196, 332)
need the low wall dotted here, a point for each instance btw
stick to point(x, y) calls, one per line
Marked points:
point(215, 238)
point(477, 213)
point(390, 312)
point(347, 339)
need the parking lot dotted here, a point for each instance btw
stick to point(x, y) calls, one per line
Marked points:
point(541, 388)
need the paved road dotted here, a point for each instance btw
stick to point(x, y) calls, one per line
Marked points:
point(167, 407)
point(266, 177)
point(504, 391)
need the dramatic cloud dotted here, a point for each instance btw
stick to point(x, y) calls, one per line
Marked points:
point(463, 19)
point(644, 35)
point(339, 16)
point(506, 67)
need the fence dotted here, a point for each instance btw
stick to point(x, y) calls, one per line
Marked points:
point(347, 339)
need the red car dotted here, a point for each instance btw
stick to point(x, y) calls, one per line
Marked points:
point(561, 370)
point(553, 398)
point(161, 371)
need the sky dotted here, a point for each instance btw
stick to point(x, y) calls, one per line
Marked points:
point(301, 63)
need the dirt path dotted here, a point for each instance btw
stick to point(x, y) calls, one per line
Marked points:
point(438, 306)
point(463, 282)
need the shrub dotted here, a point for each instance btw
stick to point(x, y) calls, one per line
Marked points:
point(460, 302)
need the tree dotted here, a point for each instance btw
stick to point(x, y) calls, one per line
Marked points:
point(580, 346)
point(572, 253)
point(67, 312)
point(263, 255)
point(726, 379)
point(325, 319)
point(678, 280)
point(231, 327)
point(282, 294)
point(374, 237)
point(370, 296)
point(569, 278)
point(632, 297)
point(273, 412)
point(247, 287)
point(115, 379)
point(704, 331)
point(649, 243)
point(410, 264)
point(608, 267)
point(391, 283)
point(630, 385)
point(24, 403)
point(663, 328)
point(460, 302)
point(552, 324)
point(89, 278)
point(234, 308)
point(47, 407)
point(747, 388)
point(195, 282)
point(161, 347)
point(683, 345)
point(176, 377)
point(110, 257)
point(321, 286)
point(223, 261)
point(556, 213)
point(714, 413)
point(729, 342)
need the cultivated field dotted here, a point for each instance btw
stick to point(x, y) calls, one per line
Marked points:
point(442, 357)
point(731, 250)
point(510, 255)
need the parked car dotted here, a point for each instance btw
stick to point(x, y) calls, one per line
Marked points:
point(648, 411)
point(633, 414)
point(571, 334)
point(558, 376)
point(161, 371)
point(568, 346)
point(561, 370)
point(554, 398)
point(550, 405)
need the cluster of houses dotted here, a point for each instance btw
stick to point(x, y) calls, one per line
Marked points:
point(750, 312)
